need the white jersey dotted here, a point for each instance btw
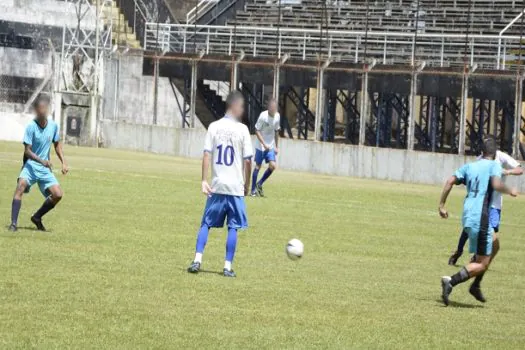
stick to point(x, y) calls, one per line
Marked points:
point(506, 162)
point(267, 126)
point(229, 144)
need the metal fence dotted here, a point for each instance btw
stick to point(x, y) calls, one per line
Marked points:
point(440, 50)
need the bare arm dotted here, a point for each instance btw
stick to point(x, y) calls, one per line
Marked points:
point(29, 154)
point(517, 171)
point(247, 175)
point(60, 153)
point(277, 139)
point(260, 138)
point(499, 186)
point(206, 189)
point(444, 195)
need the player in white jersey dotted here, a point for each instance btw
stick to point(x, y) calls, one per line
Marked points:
point(266, 146)
point(510, 167)
point(228, 147)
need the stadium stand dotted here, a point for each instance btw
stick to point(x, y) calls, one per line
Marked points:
point(484, 17)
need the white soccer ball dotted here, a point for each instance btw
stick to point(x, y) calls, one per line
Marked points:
point(295, 249)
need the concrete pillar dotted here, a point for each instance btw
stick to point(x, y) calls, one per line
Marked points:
point(57, 114)
point(517, 117)
point(93, 120)
point(363, 110)
point(234, 76)
point(413, 113)
point(276, 81)
point(319, 105)
point(463, 113)
point(155, 90)
point(193, 93)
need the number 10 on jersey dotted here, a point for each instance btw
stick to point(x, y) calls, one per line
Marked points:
point(226, 156)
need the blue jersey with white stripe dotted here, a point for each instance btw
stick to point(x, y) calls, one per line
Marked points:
point(477, 177)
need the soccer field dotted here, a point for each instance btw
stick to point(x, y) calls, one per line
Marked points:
point(111, 273)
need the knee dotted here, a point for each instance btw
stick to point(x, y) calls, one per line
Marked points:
point(257, 166)
point(20, 189)
point(57, 196)
point(273, 166)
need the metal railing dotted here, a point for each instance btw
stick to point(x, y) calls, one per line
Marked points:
point(441, 50)
point(203, 6)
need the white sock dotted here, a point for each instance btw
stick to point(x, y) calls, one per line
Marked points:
point(228, 265)
point(198, 257)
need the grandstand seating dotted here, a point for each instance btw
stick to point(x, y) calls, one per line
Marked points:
point(486, 17)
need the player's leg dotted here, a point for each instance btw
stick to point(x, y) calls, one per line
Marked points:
point(463, 237)
point(237, 219)
point(494, 220)
point(214, 215)
point(21, 186)
point(259, 157)
point(272, 166)
point(51, 188)
point(480, 244)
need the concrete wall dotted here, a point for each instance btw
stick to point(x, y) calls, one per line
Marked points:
point(12, 125)
point(43, 12)
point(298, 155)
point(134, 95)
point(24, 63)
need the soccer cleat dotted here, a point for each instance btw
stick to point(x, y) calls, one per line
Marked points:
point(454, 258)
point(446, 289)
point(260, 191)
point(12, 228)
point(476, 293)
point(194, 267)
point(38, 223)
point(253, 194)
point(228, 273)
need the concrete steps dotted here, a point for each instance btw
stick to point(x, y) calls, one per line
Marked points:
point(122, 33)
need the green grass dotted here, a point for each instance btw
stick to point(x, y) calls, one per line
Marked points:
point(111, 273)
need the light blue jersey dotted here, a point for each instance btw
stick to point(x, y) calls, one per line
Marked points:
point(40, 140)
point(477, 177)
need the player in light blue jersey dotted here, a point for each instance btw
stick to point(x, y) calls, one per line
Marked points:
point(482, 178)
point(37, 168)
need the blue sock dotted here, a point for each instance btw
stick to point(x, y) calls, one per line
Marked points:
point(231, 244)
point(202, 238)
point(462, 241)
point(15, 209)
point(254, 178)
point(265, 176)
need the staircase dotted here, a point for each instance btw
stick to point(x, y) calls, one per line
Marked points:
point(208, 105)
point(122, 34)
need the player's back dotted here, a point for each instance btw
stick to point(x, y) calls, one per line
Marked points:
point(228, 141)
point(477, 177)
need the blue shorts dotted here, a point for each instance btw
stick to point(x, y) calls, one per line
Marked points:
point(222, 206)
point(43, 176)
point(494, 218)
point(267, 156)
point(480, 243)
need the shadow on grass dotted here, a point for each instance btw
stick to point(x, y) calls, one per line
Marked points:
point(205, 271)
point(26, 228)
point(459, 305)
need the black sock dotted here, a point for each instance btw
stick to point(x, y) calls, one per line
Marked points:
point(15, 209)
point(477, 280)
point(44, 209)
point(462, 240)
point(460, 277)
